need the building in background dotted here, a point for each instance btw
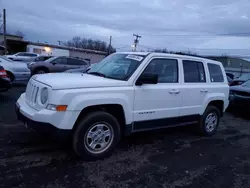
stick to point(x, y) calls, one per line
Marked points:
point(55, 50)
point(17, 44)
point(10, 37)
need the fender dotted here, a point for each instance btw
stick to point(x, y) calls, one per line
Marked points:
point(80, 102)
point(213, 97)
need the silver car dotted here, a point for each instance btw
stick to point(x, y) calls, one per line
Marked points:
point(16, 71)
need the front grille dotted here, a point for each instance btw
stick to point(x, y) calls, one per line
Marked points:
point(31, 93)
point(242, 93)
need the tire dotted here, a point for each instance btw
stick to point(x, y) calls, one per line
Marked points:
point(86, 134)
point(41, 71)
point(208, 129)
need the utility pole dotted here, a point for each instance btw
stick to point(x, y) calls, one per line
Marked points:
point(110, 39)
point(4, 31)
point(136, 41)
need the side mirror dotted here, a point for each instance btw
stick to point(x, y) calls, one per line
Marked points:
point(53, 63)
point(147, 78)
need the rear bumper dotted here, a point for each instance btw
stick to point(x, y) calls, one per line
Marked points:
point(42, 127)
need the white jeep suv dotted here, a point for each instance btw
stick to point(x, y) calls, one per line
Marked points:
point(123, 94)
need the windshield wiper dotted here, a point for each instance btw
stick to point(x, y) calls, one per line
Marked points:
point(97, 74)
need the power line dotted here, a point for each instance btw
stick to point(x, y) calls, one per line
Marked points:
point(200, 35)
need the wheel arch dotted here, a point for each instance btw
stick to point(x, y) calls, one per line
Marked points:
point(11, 75)
point(40, 68)
point(218, 104)
point(116, 110)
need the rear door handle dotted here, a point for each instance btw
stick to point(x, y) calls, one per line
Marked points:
point(174, 91)
point(204, 90)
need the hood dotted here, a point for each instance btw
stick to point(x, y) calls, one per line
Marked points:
point(239, 80)
point(80, 70)
point(74, 81)
point(240, 88)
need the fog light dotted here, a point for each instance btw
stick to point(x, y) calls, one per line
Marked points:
point(58, 108)
point(51, 107)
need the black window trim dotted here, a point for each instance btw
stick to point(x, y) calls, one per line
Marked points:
point(197, 61)
point(163, 58)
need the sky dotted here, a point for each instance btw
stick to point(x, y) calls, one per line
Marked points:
point(200, 26)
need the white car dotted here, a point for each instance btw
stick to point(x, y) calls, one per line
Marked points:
point(20, 56)
point(152, 91)
point(16, 71)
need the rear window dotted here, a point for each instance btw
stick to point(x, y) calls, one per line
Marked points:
point(215, 72)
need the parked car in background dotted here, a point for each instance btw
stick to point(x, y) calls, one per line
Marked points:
point(230, 80)
point(230, 75)
point(16, 71)
point(57, 64)
point(80, 70)
point(21, 56)
point(4, 80)
point(243, 78)
point(41, 58)
point(240, 95)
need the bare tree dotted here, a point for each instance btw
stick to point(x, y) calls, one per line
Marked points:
point(19, 33)
point(88, 43)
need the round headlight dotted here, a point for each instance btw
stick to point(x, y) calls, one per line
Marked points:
point(44, 95)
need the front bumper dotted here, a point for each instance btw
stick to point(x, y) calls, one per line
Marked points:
point(46, 121)
point(41, 127)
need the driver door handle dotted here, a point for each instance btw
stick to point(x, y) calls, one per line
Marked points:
point(204, 90)
point(174, 91)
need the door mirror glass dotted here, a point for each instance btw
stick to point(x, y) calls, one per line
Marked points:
point(147, 78)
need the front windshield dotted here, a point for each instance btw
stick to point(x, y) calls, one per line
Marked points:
point(6, 59)
point(117, 66)
point(245, 77)
point(50, 59)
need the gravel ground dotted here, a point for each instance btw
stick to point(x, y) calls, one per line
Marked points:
point(173, 158)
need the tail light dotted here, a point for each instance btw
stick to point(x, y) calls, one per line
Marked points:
point(3, 74)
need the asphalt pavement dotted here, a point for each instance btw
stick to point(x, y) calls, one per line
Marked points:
point(173, 158)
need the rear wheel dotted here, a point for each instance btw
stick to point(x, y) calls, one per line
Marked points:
point(209, 121)
point(96, 136)
point(41, 71)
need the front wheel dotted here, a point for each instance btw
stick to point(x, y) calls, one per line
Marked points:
point(41, 71)
point(96, 136)
point(210, 121)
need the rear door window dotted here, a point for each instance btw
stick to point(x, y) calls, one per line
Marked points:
point(193, 71)
point(77, 62)
point(60, 60)
point(215, 72)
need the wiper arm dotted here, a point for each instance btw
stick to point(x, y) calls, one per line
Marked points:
point(98, 74)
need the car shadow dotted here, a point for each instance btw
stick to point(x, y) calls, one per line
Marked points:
point(239, 112)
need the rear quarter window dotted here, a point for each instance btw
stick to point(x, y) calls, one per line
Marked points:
point(215, 72)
